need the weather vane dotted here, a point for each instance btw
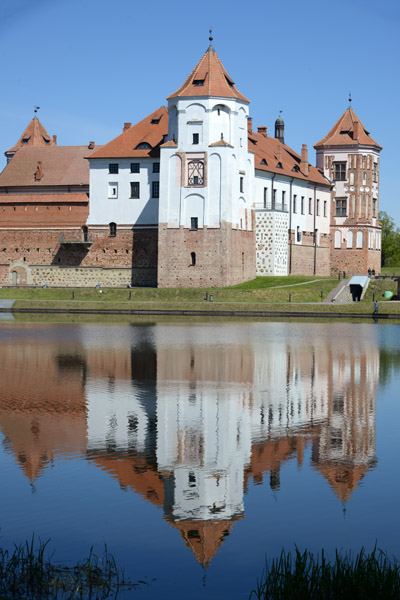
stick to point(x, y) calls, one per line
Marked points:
point(350, 99)
point(35, 109)
point(211, 37)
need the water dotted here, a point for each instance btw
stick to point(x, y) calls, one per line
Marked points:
point(195, 449)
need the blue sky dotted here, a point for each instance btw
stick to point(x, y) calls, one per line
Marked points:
point(91, 65)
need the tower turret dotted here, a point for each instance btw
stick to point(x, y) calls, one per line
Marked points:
point(280, 128)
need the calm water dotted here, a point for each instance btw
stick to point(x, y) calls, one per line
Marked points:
point(193, 450)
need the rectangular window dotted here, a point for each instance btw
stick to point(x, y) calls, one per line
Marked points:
point(375, 173)
point(324, 208)
point(135, 167)
point(364, 178)
point(135, 189)
point(341, 208)
point(195, 138)
point(113, 168)
point(339, 171)
point(374, 203)
point(310, 206)
point(283, 199)
point(155, 189)
point(302, 205)
point(294, 203)
point(113, 190)
point(156, 167)
point(265, 197)
point(298, 234)
point(273, 199)
point(241, 184)
point(194, 223)
point(317, 207)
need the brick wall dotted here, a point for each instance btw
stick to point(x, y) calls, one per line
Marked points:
point(303, 256)
point(90, 276)
point(355, 261)
point(223, 256)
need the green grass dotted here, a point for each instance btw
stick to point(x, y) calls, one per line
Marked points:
point(390, 271)
point(27, 573)
point(305, 576)
point(260, 283)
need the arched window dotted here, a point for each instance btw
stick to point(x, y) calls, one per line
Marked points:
point(338, 243)
point(196, 172)
point(349, 239)
point(193, 259)
point(143, 146)
point(113, 229)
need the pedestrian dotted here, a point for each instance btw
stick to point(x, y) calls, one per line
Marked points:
point(376, 307)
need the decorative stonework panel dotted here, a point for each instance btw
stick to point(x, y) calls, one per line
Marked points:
point(271, 242)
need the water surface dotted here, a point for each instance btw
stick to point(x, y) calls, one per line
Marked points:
point(194, 449)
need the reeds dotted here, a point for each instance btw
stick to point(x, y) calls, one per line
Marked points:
point(304, 576)
point(26, 573)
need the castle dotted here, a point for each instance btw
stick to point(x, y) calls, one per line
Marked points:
point(190, 196)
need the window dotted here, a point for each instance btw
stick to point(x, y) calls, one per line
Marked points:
point(195, 138)
point(156, 167)
point(241, 185)
point(196, 172)
point(135, 167)
point(359, 239)
point(194, 223)
point(155, 189)
point(265, 197)
point(143, 146)
point(364, 178)
point(273, 199)
point(317, 207)
point(352, 178)
point(283, 198)
point(302, 205)
point(374, 204)
point(135, 189)
point(375, 173)
point(338, 239)
point(324, 208)
point(113, 168)
point(193, 259)
point(113, 229)
point(294, 203)
point(298, 234)
point(113, 190)
point(339, 171)
point(341, 208)
point(310, 206)
point(349, 239)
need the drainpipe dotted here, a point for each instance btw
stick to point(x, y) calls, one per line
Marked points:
point(290, 224)
point(315, 233)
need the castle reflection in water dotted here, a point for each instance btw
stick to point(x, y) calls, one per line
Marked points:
point(185, 416)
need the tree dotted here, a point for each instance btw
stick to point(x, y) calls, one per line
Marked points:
point(390, 241)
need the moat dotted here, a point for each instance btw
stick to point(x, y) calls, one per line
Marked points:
point(195, 449)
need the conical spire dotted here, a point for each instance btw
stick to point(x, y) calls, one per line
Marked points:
point(34, 135)
point(348, 131)
point(209, 78)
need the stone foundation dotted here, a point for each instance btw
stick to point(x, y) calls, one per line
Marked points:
point(90, 276)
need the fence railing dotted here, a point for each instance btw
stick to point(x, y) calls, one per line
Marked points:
point(281, 206)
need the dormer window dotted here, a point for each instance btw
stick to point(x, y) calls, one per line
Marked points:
point(263, 162)
point(198, 82)
point(155, 121)
point(279, 165)
point(296, 169)
point(25, 140)
point(229, 81)
point(143, 146)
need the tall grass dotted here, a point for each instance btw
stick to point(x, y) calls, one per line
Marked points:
point(27, 573)
point(304, 576)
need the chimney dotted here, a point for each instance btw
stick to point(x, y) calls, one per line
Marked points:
point(356, 130)
point(262, 130)
point(91, 145)
point(304, 160)
point(54, 140)
point(39, 171)
point(126, 126)
point(249, 124)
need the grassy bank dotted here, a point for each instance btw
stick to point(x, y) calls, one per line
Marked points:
point(304, 576)
point(29, 573)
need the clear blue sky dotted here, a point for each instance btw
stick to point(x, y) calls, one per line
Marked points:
point(93, 64)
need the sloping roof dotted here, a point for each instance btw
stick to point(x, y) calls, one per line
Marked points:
point(271, 151)
point(34, 135)
point(149, 131)
point(61, 165)
point(44, 198)
point(209, 78)
point(342, 133)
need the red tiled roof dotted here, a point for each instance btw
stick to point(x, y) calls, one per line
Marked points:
point(211, 80)
point(221, 143)
point(150, 130)
point(61, 165)
point(44, 198)
point(272, 151)
point(34, 135)
point(342, 133)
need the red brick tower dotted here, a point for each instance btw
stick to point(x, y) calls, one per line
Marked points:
point(350, 158)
